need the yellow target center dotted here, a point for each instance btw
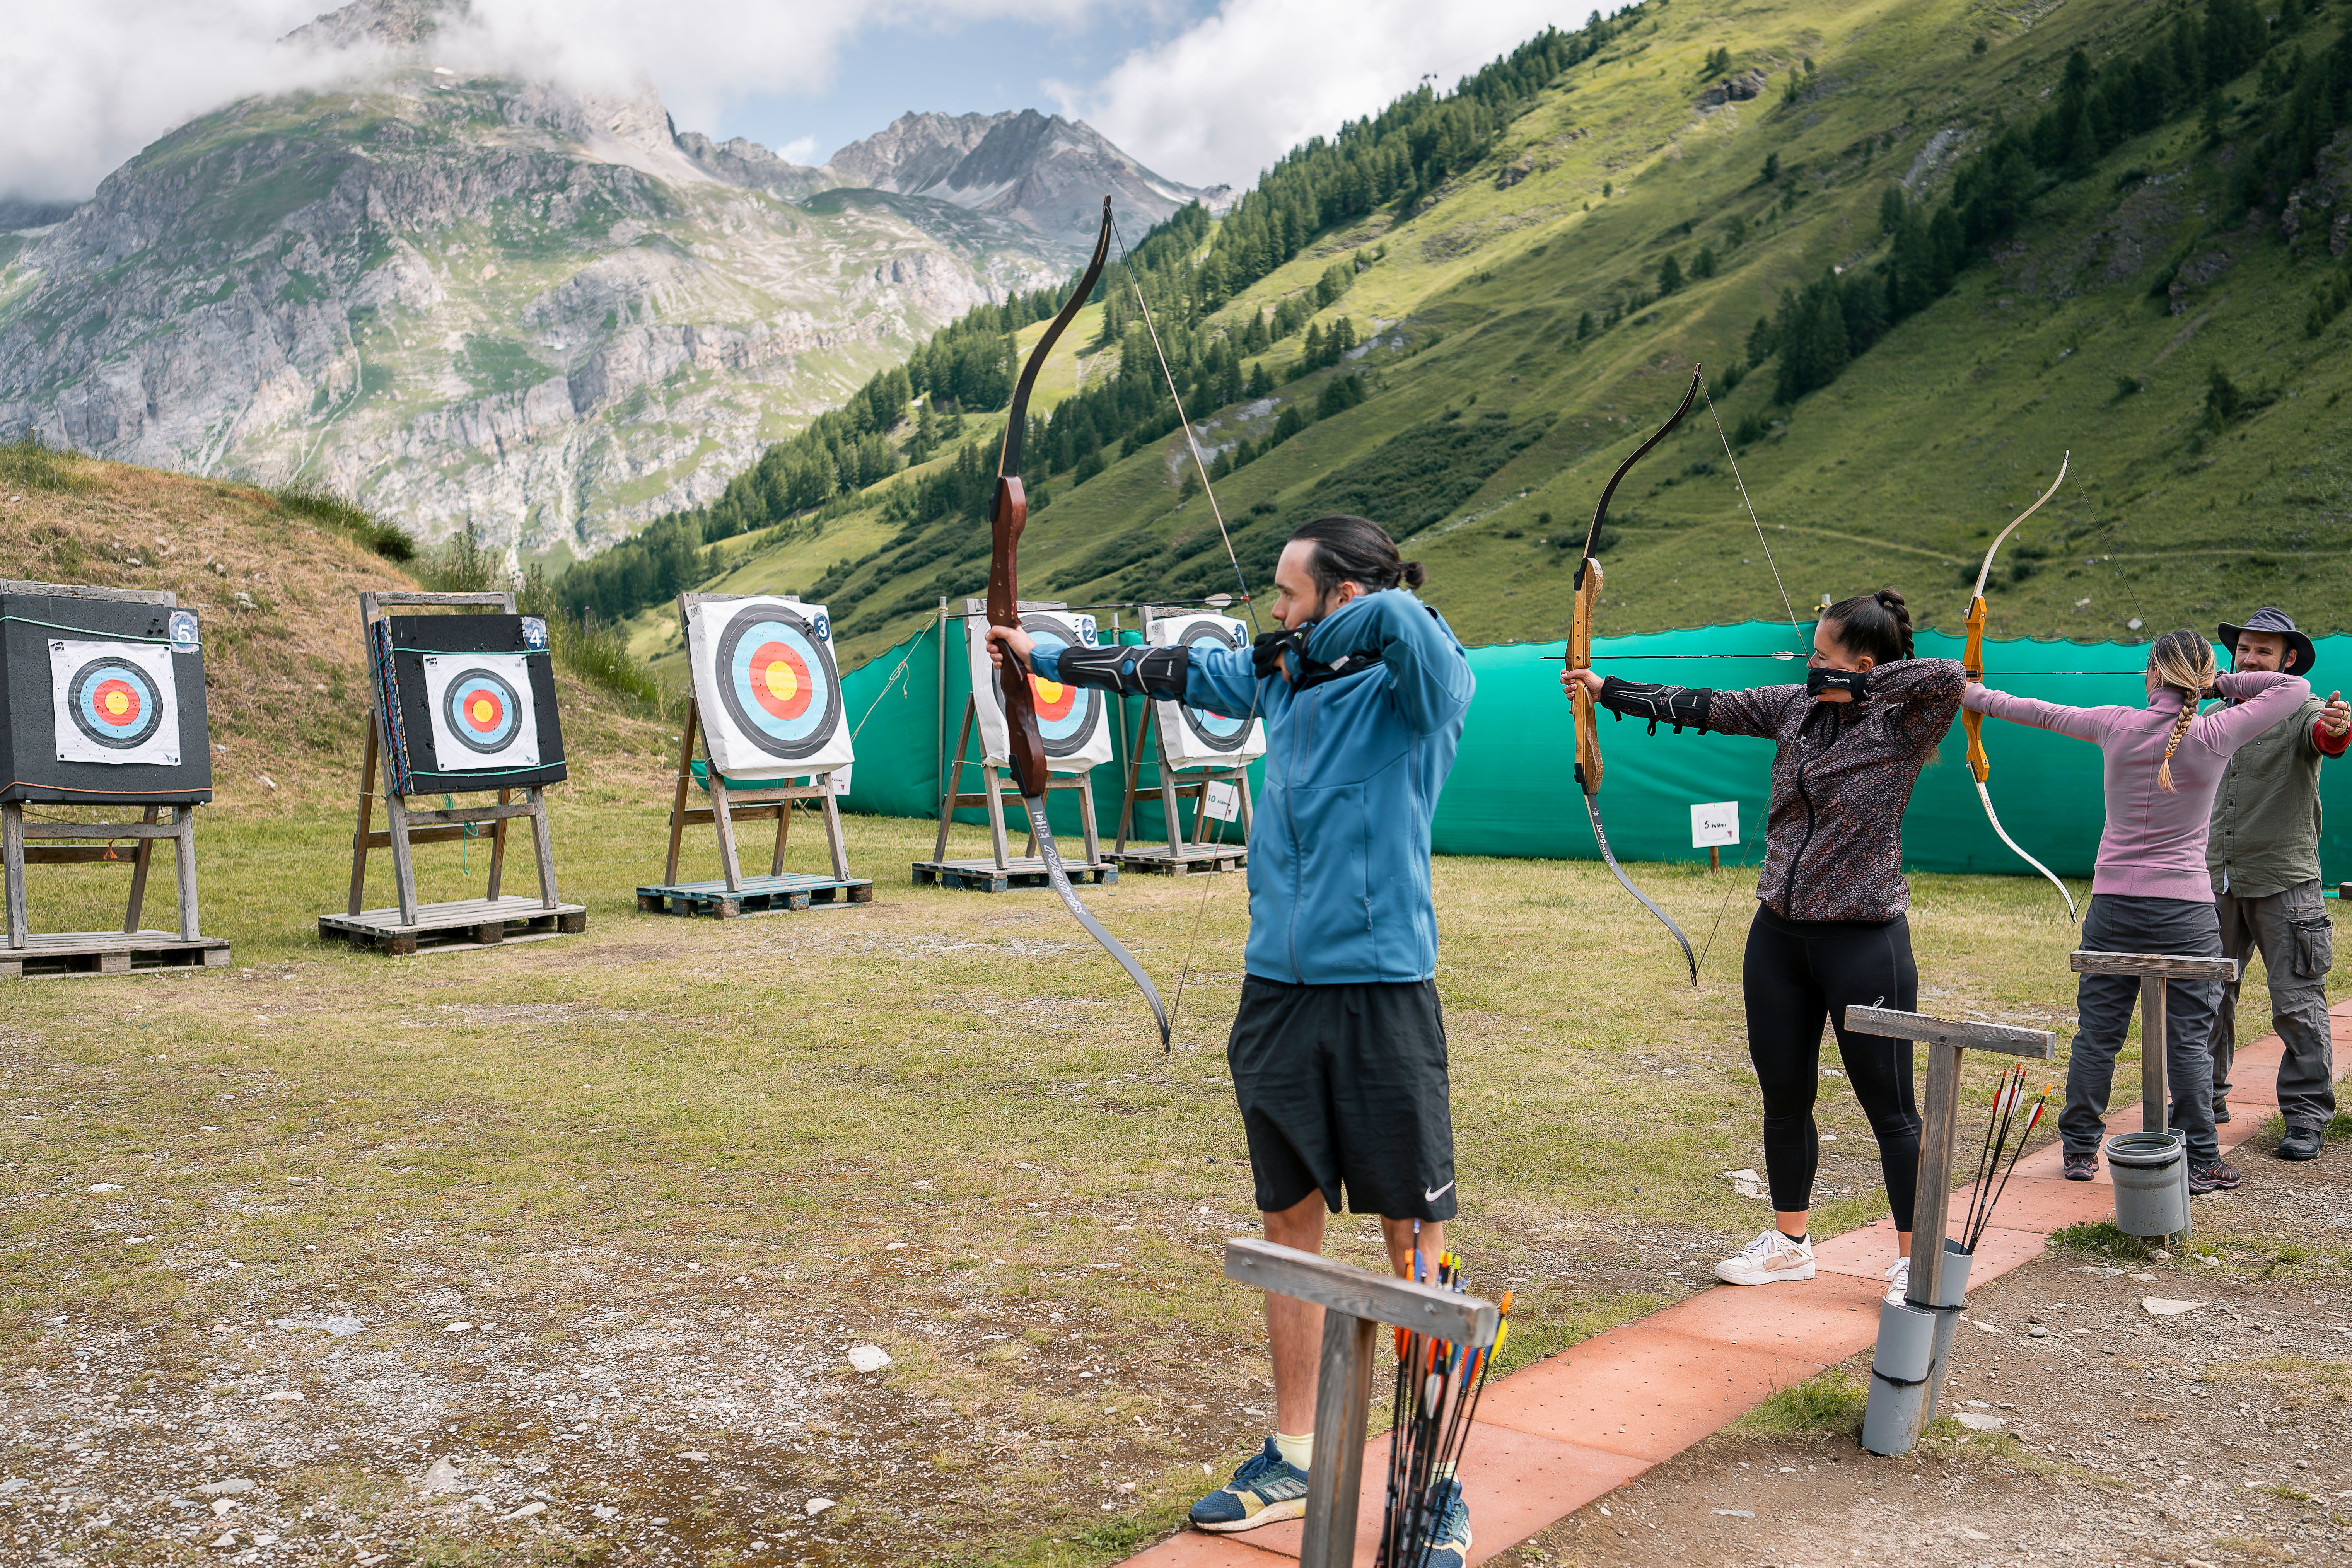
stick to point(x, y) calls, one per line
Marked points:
point(117, 704)
point(1048, 691)
point(783, 684)
point(484, 710)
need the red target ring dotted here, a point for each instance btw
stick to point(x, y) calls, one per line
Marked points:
point(1055, 699)
point(482, 711)
point(117, 703)
point(780, 681)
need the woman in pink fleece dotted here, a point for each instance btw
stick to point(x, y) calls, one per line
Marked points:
point(2151, 893)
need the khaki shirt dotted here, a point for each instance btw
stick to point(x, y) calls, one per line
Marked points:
point(2265, 832)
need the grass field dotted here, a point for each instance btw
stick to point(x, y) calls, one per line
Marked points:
point(694, 1163)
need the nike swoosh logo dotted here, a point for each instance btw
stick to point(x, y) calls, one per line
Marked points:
point(1433, 1197)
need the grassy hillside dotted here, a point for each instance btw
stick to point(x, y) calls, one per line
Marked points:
point(276, 584)
point(2097, 330)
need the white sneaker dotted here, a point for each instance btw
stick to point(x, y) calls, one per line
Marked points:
point(1898, 1280)
point(1769, 1259)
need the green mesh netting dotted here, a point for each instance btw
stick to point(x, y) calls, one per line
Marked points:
point(1513, 790)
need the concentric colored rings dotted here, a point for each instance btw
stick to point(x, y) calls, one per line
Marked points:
point(1218, 732)
point(777, 681)
point(481, 710)
point(114, 703)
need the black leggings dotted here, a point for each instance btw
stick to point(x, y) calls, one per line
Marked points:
point(1798, 975)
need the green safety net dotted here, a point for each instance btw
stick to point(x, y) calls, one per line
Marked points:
point(1513, 790)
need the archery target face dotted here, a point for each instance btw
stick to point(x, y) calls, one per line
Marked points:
point(1070, 719)
point(769, 690)
point(1196, 734)
point(481, 709)
point(114, 702)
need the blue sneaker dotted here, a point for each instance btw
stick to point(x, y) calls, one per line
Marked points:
point(1449, 1545)
point(1266, 1488)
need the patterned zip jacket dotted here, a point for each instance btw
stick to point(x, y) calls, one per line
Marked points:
point(1842, 777)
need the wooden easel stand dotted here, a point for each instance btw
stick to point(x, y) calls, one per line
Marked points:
point(485, 921)
point(1355, 1303)
point(733, 894)
point(1181, 857)
point(92, 843)
point(1939, 1129)
point(1003, 870)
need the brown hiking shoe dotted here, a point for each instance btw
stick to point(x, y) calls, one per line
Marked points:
point(2221, 1175)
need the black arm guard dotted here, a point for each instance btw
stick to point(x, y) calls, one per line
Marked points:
point(1678, 705)
point(1129, 670)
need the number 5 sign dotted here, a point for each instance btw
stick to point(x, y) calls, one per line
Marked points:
point(1713, 824)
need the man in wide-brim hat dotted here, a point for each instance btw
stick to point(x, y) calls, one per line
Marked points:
point(2263, 855)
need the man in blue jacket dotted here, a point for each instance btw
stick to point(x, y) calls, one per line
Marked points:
point(1338, 1048)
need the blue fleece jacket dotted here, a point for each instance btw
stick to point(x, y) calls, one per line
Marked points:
point(1338, 863)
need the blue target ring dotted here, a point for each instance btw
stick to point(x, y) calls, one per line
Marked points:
point(778, 683)
point(1218, 732)
point(115, 703)
point(1068, 715)
point(481, 710)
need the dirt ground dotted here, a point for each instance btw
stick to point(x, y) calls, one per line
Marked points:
point(2220, 1435)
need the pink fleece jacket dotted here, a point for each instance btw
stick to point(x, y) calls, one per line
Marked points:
point(2154, 845)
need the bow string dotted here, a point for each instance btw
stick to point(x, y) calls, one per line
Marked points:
point(1972, 665)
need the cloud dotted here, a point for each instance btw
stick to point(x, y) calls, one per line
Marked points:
point(1222, 101)
point(84, 85)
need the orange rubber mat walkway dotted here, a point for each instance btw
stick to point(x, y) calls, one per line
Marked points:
point(1555, 1435)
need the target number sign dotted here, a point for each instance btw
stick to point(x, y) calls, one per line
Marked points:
point(481, 709)
point(769, 690)
point(1196, 734)
point(115, 702)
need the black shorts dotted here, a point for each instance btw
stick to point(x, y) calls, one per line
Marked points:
point(1345, 1086)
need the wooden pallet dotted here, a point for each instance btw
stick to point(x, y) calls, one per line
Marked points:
point(985, 875)
point(109, 952)
point(468, 922)
point(757, 896)
point(1193, 860)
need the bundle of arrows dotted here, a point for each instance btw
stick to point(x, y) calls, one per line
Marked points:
point(1986, 1193)
point(1437, 1387)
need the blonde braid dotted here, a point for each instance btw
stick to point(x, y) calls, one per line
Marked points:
point(2181, 661)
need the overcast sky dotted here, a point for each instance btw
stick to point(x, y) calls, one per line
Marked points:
point(1201, 90)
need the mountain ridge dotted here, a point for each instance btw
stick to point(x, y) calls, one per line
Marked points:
point(476, 301)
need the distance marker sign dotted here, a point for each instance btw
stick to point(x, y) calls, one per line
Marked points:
point(767, 687)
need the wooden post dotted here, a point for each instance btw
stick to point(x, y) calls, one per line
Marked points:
point(685, 786)
point(12, 838)
point(1354, 1302)
point(183, 869)
point(1947, 1042)
point(367, 808)
point(140, 858)
point(2162, 969)
point(498, 846)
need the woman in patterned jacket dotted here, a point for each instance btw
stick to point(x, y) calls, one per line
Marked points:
point(1831, 928)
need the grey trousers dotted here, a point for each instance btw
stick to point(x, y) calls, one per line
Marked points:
point(2296, 939)
point(2103, 1004)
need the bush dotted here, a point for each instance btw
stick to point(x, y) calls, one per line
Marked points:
point(387, 539)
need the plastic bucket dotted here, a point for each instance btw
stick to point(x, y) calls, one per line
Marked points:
point(2151, 1176)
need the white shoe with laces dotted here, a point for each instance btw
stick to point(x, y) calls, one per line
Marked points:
point(1771, 1259)
point(1898, 1280)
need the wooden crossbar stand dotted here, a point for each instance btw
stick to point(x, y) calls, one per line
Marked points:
point(1180, 856)
point(1355, 1302)
point(1930, 1292)
point(411, 925)
point(732, 893)
point(40, 843)
point(2155, 1101)
point(1003, 870)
